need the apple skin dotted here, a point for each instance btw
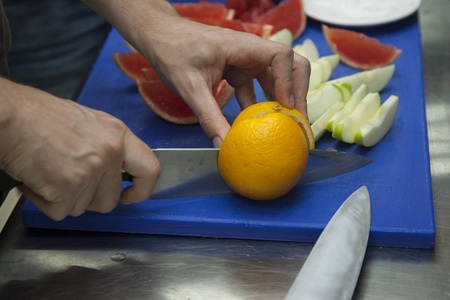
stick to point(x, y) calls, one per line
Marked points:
point(379, 125)
point(346, 129)
point(376, 78)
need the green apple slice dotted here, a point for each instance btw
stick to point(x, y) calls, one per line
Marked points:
point(316, 76)
point(346, 129)
point(307, 49)
point(376, 79)
point(283, 36)
point(322, 74)
point(332, 59)
point(349, 107)
point(319, 126)
point(378, 126)
point(319, 101)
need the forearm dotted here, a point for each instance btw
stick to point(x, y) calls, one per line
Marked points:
point(9, 101)
point(137, 20)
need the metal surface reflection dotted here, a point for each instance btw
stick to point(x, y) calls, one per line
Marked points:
point(41, 264)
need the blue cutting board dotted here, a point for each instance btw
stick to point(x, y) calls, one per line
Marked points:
point(398, 180)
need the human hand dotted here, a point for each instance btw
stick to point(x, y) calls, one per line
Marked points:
point(194, 59)
point(68, 156)
point(191, 58)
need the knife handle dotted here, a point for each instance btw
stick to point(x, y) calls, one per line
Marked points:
point(7, 183)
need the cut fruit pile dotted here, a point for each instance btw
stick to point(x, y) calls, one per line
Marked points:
point(261, 17)
point(157, 95)
point(348, 107)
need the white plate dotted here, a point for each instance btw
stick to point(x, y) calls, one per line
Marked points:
point(359, 12)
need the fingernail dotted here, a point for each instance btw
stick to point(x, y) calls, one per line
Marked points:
point(217, 142)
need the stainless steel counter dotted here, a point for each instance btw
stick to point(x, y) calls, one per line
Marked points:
point(46, 264)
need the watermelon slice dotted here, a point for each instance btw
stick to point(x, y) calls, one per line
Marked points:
point(204, 10)
point(131, 64)
point(358, 50)
point(287, 14)
point(262, 30)
point(170, 107)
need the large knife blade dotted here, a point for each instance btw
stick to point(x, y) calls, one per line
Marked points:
point(193, 172)
point(332, 268)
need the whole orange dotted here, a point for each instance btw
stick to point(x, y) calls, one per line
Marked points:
point(265, 153)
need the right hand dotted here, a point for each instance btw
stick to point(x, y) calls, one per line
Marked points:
point(69, 157)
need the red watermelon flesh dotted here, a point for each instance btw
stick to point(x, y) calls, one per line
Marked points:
point(204, 10)
point(359, 50)
point(131, 64)
point(262, 30)
point(170, 107)
point(287, 14)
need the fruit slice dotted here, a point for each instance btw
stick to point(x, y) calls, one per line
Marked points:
point(248, 10)
point(321, 70)
point(349, 107)
point(366, 109)
point(131, 64)
point(287, 14)
point(378, 126)
point(307, 49)
point(358, 50)
point(376, 79)
point(262, 30)
point(319, 126)
point(204, 9)
point(170, 106)
point(321, 100)
point(283, 36)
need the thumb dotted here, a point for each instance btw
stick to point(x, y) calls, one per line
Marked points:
point(209, 114)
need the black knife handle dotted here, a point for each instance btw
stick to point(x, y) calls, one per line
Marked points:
point(7, 182)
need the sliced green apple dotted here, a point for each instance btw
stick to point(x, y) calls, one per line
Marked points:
point(319, 126)
point(321, 70)
point(349, 107)
point(319, 101)
point(376, 78)
point(283, 36)
point(346, 129)
point(378, 126)
point(316, 76)
point(307, 49)
point(332, 59)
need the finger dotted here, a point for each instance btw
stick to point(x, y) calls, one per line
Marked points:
point(300, 77)
point(55, 210)
point(207, 111)
point(107, 193)
point(245, 95)
point(142, 164)
point(282, 68)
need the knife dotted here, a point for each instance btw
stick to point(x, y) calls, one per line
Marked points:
point(332, 268)
point(194, 172)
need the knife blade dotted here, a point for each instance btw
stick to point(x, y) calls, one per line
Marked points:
point(332, 268)
point(194, 172)
point(189, 172)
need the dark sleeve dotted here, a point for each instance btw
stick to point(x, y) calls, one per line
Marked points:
point(5, 41)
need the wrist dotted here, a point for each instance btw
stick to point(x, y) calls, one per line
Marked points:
point(7, 109)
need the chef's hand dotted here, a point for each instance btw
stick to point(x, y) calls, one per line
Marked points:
point(193, 63)
point(68, 156)
point(192, 58)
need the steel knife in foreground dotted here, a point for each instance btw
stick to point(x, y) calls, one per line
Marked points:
point(193, 172)
point(332, 268)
